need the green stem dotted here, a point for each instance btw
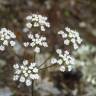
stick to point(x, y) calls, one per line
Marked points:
point(32, 87)
point(48, 67)
point(33, 80)
point(40, 69)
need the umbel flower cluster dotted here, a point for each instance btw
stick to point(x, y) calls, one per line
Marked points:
point(63, 59)
point(35, 21)
point(6, 38)
point(37, 42)
point(25, 72)
point(70, 37)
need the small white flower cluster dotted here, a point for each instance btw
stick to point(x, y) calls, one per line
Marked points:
point(63, 59)
point(25, 72)
point(6, 37)
point(71, 36)
point(37, 41)
point(36, 20)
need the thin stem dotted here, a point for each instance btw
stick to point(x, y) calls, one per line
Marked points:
point(40, 69)
point(45, 61)
point(48, 67)
point(33, 80)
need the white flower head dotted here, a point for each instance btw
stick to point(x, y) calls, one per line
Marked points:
point(37, 50)
point(25, 72)
point(63, 59)
point(6, 38)
point(62, 68)
point(37, 21)
point(37, 41)
point(71, 37)
point(70, 68)
point(53, 60)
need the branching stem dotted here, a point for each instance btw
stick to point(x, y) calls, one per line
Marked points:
point(45, 61)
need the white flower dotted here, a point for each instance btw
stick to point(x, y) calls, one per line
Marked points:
point(12, 43)
point(42, 28)
point(61, 32)
point(53, 60)
point(66, 52)
point(63, 59)
point(62, 68)
point(18, 71)
point(37, 21)
point(2, 48)
point(15, 77)
point(28, 17)
point(37, 76)
point(60, 61)
point(69, 68)
point(58, 51)
point(32, 76)
point(25, 30)
point(75, 46)
point(35, 70)
point(37, 41)
point(22, 79)
point(28, 82)
point(36, 24)
point(66, 42)
point(5, 42)
point(25, 72)
point(6, 38)
point(37, 49)
point(16, 66)
point(25, 62)
point(28, 25)
point(26, 44)
point(71, 37)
